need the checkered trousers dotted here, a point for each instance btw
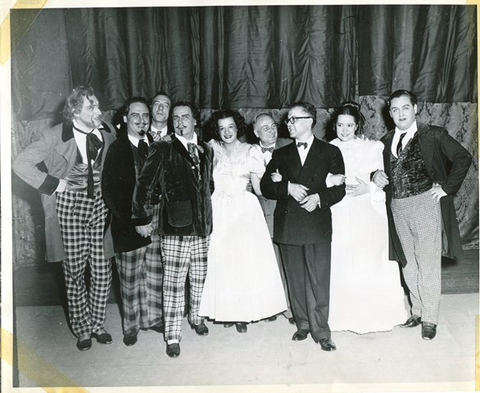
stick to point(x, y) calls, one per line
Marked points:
point(154, 272)
point(182, 255)
point(82, 222)
point(418, 221)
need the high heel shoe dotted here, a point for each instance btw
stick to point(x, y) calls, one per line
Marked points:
point(241, 327)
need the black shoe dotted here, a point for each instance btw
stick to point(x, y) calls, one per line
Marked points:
point(241, 327)
point(228, 325)
point(201, 329)
point(300, 335)
point(327, 344)
point(173, 350)
point(413, 321)
point(429, 330)
point(102, 337)
point(271, 319)
point(156, 328)
point(84, 342)
point(130, 339)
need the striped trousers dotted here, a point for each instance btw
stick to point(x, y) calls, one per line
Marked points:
point(418, 221)
point(82, 223)
point(182, 255)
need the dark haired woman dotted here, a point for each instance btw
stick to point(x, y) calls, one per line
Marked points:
point(243, 282)
point(365, 291)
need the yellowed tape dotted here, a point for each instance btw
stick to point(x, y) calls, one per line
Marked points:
point(36, 368)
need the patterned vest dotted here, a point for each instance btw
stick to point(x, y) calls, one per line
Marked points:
point(409, 174)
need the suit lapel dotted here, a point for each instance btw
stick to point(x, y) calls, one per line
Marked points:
point(295, 163)
point(426, 144)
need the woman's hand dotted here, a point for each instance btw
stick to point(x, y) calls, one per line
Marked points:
point(276, 176)
point(358, 189)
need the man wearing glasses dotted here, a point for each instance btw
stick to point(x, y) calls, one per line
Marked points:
point(303, 225)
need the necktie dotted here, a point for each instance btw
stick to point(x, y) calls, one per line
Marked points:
point(192, 150)
point(270, 149)
point(93, 146)
point(304, 144)
point(399, 145)
point(142, 149)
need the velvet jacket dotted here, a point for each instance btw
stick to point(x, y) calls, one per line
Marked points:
point(118, 183)
point(185, 202)
point(42, 164)
point(292, 224)
point(447, 162)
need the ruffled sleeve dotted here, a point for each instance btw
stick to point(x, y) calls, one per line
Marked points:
point(255, 161)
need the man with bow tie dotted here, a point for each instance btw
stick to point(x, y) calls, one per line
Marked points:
point(182, 166)
point(65, 165)
point(266, 130)
point(424, 168)
point(138, 258)
point(160, 110)
point(302, 220)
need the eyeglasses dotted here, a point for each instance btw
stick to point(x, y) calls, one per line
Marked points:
point(293, 119)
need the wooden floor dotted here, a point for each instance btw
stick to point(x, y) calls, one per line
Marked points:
point(43, 285)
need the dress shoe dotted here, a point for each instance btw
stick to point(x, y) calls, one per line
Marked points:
point(300, 335)
point(228, 325)
point(156, 328)
point(84, 342)
point(429, 330)
point(102, 337)
point(173, 350)
point(201, 329)
point(271, 319)
point(413, 321)
point(130, 339)
point(327, 344)
point(241, 327)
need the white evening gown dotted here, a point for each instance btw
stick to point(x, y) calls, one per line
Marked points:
point(243, 282)
point(365, 290)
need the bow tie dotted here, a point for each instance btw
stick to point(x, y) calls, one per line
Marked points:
point(304, 144)
point(269, 149)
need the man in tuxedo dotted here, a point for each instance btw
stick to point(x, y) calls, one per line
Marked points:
point(139, 264)
point(302, 220)
point(65, 165)
point(160, 108)
point(182, 167)
point(266, 130)
point(424, 168)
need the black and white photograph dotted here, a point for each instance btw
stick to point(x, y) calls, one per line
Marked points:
point(239, 197)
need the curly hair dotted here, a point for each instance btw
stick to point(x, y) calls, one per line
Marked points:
point(225, 114)
point(74, 102)
point(349, 108)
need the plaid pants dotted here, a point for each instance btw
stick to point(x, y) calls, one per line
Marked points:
point(418, 221)
point(82, 223)
point(182, 255)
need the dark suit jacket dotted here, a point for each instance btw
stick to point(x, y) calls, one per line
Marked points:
point(185, 203)
point(447, 163)
point(293, 224)
point(118, 183)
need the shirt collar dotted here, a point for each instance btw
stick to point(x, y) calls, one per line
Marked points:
point(134, 141)
point(185, 141)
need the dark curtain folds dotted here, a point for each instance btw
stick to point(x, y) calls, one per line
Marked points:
point(246, 57)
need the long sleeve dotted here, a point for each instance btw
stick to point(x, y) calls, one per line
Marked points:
point(332, 195)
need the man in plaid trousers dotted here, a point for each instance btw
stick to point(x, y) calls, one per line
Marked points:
point(182, 167)
point(65, 166)
point(138, 258)
point(424, 168)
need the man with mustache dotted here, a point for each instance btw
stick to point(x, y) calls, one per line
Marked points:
point(182, 167)
point(138, 261)
point(65, 165)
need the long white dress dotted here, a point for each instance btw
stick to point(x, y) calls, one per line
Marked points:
point(243, 282)
point(365, 290)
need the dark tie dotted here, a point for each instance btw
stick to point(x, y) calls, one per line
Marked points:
point(192, 150)
point(304, 144)
point(399, 145)
point(270, 149)
point(142, 149)
point(93, 145)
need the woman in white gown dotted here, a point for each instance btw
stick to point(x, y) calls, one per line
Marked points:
point(243, 282)
point(365, 290)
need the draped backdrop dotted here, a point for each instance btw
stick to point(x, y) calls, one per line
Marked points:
point(251, 59)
